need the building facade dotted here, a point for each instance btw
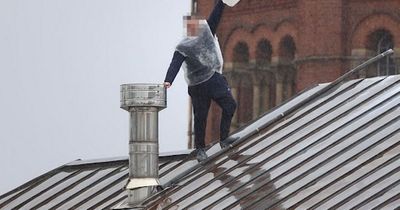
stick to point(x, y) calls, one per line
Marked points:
point(275, 48)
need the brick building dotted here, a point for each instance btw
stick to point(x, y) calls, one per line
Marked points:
point(275, 48)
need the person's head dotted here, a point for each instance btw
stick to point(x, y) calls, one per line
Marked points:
point(191, 25)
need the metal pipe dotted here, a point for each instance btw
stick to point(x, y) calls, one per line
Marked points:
point(143, 102)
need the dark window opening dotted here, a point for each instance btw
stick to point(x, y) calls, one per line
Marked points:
point(241, 53)
point(287, 48)
point(263, 52)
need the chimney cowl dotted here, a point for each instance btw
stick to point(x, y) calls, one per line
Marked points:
point(143, 95)
point(143, 102)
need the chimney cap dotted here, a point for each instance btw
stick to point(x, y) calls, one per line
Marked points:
point(143, 95)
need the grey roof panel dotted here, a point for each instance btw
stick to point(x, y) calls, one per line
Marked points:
point(36, 189)
point(87, 184)
point(7, 197)
point(111, 202)
point(392, 201)
point(370, 192)
point(301, 179)
point(99, 186)
point(304, 154)
point(184, 165)
point(333, 146)
point(339, 181)
point(76, 189)
point(276, 112)
point(58, 189)
point(108, 193)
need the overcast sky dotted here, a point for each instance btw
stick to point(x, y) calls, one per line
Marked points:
point(61, 66)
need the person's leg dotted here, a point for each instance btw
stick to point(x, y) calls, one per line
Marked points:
point(228, 106)
point(201, 105)
point(223, 96)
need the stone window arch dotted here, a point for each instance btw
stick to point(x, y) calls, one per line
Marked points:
point(377, 42)
point(263, 52)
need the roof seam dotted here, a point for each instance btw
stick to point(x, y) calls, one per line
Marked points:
point(379, 167)
point(261, 151)
point(67, 188)
point(380, 193)
point(358, 192)
point(66, 200)
point(76, 206)
point(388, 201)
point(47, 189)
point(261, 139)
point(324, 174)
point(313, 156)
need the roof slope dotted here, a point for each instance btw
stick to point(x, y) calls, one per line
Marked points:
point(339, 150)
point(333, 146)
point(95, 184)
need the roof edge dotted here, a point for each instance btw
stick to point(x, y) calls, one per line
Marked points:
point(162, 156)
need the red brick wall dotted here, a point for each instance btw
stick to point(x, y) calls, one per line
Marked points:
point(326, 33)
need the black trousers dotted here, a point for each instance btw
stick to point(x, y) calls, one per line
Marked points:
point(217, 89)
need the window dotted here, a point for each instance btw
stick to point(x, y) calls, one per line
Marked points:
point(286, 70)
point(263, 52)
point(287, 48)
point(378, 42)
point(241, 53)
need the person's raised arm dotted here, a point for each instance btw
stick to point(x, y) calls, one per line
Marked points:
point(215, 16)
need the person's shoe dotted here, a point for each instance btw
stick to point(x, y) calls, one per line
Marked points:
point(227, 142)
point(201, 154)
point(223, 144)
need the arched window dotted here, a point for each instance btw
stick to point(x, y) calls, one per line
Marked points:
point(287, 48)
point(245, 100)
point(263, 52)
point(241, 53)
point(267, 92)
point(378, 42)
point(286, 70)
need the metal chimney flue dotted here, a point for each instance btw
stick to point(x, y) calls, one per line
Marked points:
point(143, 102)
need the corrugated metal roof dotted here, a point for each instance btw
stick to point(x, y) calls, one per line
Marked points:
point(92, 184)
point(333, 146)
point(338, 151)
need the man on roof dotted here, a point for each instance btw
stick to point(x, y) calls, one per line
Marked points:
point(201, 57)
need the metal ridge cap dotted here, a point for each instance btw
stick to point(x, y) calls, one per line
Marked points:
point(96, 161)
point(124, 158)
point(274, 109)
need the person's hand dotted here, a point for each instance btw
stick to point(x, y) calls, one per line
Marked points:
point(167, 85)
point(231, 3)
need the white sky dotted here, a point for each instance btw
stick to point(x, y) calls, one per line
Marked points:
point(61, 65)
